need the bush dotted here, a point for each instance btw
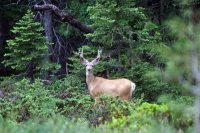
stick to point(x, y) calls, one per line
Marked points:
point(147, 116)
point(109, 107)
point(56, 124)
point(27, 101)
point(69, 99)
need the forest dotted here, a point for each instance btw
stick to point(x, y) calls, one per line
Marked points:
point(46, 47)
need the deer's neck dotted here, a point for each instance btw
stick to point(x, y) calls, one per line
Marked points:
point(89, 78)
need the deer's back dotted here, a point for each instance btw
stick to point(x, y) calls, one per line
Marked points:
point(116, 87)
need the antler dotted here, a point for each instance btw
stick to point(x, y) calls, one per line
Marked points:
point(82, 59)
point(99, 53)
point(80, 53)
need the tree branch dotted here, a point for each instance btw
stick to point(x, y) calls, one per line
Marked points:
point(64, 17)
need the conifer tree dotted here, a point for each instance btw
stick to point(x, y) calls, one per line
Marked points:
point(29, 49)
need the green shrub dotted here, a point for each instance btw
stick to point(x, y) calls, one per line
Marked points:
point(56, 124)
point(148, 116)
point(27, 101)
point(74, 99)
point(109, 107)
point(71, 83)
point(76, 106)
point(141, 117)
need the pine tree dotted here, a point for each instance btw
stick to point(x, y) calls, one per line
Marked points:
point(115, 21)
point(29, 49)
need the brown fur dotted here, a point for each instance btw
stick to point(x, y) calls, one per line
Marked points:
point(116, 88)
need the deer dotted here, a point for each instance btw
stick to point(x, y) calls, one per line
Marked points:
point(97, 86)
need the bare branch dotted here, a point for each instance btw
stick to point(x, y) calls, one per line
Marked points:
point(64, 17)
point(13, 3)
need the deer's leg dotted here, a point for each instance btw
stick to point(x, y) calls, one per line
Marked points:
point(127, 98)
point(96, 99)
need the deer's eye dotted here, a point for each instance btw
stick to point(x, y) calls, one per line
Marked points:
point(85, 65)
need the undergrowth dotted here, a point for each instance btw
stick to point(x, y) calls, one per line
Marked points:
point(66, 106)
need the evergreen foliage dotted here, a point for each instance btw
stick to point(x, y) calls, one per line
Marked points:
point(29, 50)
point(115, 21)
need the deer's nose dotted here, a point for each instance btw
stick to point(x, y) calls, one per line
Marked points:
point(89, 69)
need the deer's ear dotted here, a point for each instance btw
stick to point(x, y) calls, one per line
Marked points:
point(96, 61)
point(83, 60)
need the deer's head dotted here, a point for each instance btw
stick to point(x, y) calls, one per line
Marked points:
point(89, 65)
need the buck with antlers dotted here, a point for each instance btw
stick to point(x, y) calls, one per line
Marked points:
point(122, 88)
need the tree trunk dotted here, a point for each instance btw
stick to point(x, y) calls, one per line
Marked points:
point(48, 29)
point(4, 34)
point(161, 18)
